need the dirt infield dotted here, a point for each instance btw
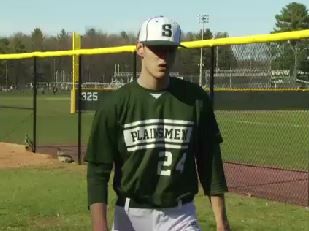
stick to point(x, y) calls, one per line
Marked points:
point(70, 150)
point(14, 155)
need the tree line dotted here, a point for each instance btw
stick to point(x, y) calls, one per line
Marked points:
point(295, 55)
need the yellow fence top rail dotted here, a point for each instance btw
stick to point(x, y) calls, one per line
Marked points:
point(260, 38)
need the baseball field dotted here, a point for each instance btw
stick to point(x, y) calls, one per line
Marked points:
point(267, 138)
point(52, 196)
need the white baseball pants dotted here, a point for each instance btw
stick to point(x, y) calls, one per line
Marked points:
point(180, 218)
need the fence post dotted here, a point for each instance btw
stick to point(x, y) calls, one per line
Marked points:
point(212, 74)
point(34, 103)
point(79, 94)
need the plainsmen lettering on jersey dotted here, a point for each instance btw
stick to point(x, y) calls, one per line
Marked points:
point(157, 133)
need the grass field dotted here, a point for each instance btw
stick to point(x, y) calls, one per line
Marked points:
point(55, 125)
point(272, 138)
point(54, 199)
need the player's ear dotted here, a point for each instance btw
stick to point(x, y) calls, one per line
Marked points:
point(140, 49)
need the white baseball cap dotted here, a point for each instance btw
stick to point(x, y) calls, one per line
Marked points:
point(160, 31)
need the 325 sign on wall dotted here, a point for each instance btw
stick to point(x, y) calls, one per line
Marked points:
point(90, 98)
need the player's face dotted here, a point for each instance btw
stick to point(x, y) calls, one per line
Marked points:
point(157, 60)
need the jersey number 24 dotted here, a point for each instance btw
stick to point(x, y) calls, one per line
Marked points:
point(164, 166)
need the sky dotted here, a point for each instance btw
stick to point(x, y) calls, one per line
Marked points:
point(237, 17)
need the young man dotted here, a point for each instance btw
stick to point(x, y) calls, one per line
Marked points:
point(160, 134)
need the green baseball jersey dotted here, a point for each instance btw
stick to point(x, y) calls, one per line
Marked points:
point(159, 142)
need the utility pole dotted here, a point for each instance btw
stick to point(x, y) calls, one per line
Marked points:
point(203, 18)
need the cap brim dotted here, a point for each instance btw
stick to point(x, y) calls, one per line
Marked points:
point(161, 43)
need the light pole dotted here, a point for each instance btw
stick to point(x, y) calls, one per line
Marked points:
point(203, 18)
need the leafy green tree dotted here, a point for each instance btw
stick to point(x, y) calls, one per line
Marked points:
point(37, 39)
point(293, 17)
point(17, 68)
point(63, 40)
point(4, 45)
point(61, 66)
point(224, 56)
point(124, 35)
point(4, 48)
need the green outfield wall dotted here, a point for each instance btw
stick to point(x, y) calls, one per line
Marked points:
point(261, 100)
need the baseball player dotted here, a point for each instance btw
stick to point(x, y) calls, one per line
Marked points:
point(160, 135)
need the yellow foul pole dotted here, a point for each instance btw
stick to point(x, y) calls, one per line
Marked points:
point(76, 45)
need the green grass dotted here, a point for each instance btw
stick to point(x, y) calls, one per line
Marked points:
point(272, 138)
point(55, 124)
point(54, 198)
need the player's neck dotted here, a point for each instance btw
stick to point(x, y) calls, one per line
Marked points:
point(152, 83)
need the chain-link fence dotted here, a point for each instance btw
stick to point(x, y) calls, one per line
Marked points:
point(16, 102)
point(262, 105)
point(260, 94)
